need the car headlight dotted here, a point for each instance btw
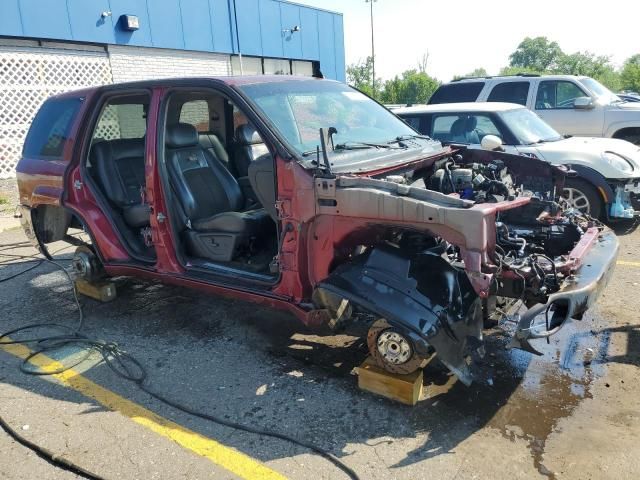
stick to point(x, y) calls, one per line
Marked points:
point(618, 162)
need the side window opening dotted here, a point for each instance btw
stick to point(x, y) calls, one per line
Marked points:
point(122, 120)
point(510, 92)
point(463, 128)
point(554, 94)
point(457, 92)
point(50, 129)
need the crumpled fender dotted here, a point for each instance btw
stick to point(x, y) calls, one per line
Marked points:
point(424, 297)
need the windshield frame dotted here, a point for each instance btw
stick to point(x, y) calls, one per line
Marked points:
point(516, 129)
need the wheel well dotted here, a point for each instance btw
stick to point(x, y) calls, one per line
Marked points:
point(624, 133)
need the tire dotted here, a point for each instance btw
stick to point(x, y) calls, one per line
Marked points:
point(583, 196)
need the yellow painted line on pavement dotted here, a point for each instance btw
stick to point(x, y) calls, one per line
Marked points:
point(627, 263)
point(223, 456)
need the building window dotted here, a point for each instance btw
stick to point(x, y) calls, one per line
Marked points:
point(302, 68)
point(276, 66)
point(250, 65)
point(270, 66)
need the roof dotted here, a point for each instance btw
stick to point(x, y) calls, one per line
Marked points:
point(186, 81)
point(459, 107)
point(517, 78)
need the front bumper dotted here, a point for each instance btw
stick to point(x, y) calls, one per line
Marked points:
point(578, 293)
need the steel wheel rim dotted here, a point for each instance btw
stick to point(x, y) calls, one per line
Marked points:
point(577, 199)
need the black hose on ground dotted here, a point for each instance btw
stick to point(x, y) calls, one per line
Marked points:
point(120, 362)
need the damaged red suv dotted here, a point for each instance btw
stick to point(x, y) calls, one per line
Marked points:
point(306, 195)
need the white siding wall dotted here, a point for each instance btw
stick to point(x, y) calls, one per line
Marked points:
point(139, 63)
point(31, 72)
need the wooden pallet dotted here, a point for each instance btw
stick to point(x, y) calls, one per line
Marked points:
point(406, 389)
point(101, 291)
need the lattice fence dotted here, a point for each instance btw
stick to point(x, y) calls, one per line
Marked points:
point(28, 76)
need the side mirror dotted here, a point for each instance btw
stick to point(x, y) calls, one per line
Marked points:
point(491, 142)
point(583, 103)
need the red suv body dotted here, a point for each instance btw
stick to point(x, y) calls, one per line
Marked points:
point(305, 195)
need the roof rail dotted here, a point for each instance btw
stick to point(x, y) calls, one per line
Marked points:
point(522, 74)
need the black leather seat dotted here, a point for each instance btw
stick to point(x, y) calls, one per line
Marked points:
point(211, 141)
point(118, 166)
point(249, 147)
point(210, 199)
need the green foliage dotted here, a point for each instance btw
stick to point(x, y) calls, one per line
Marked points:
point(518, 70)
point(412, 87)
point(359, 76)
point(542, 56)
point(590, 65)
point(478, 72)
point(630, 74)
point(537, 54)
point(4, 200)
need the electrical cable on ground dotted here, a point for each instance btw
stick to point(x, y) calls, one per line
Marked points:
point(119, 361)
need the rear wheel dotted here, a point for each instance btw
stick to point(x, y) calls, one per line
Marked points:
point(583, 196)
point(86, 265)
point(391, 350)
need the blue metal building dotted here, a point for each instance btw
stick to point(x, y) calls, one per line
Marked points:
point(49, 46)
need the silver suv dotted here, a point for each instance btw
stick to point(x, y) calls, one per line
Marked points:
point(573, 105)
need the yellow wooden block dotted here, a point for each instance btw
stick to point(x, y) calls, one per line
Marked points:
point(101, 291)
point(402, 388)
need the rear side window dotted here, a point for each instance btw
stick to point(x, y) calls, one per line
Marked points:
point(457, 92)
point(121, 120)
point(414, 121)
point(196, 113)
point(50, 129)
point(510, 92)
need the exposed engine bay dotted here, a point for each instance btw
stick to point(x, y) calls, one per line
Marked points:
point(494, 234)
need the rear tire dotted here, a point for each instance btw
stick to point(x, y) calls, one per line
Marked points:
point(583, 196)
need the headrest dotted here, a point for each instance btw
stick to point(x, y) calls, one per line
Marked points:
point(181, 135)
point(247, 135)
point(117, 149)
point(471, 124)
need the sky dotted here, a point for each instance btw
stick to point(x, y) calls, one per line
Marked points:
point(462, 35)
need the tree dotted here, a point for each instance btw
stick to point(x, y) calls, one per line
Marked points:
point(537, 54)
point(630, 74)
point(359, 76)
point(478, 72)
point(412, 87)
point(590, 65)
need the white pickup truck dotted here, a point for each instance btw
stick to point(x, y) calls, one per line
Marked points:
point(572, 105)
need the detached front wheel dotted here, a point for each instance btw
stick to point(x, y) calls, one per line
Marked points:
point(583, 196)
point(391, 350)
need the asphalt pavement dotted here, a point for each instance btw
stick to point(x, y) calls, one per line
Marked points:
point(573, 413)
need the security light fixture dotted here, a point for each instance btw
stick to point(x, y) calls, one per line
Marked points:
point(129, 23)
point(294, 29)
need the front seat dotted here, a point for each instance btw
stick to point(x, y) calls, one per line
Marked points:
point(210, 199)
point(119, 169)
point(249, 147)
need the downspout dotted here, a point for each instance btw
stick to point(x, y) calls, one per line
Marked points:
point(235, 18)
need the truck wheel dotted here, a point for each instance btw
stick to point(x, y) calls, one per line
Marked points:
point(391, 350)
point(583, 196)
